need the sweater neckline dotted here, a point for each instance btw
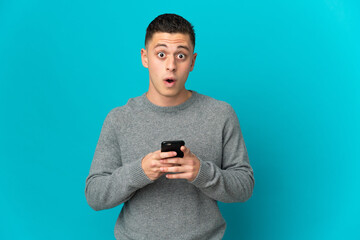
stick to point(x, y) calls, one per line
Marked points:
point(171, 109)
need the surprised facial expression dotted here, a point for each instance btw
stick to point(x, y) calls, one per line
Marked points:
point(169, 58)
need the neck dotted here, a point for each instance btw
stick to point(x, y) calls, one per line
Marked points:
point(168, 101)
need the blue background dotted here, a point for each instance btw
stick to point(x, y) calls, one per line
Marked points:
point(290, 69)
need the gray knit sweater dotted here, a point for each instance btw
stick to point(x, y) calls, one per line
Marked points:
point(169, 208)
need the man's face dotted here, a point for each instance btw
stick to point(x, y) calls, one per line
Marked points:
point(169, 58)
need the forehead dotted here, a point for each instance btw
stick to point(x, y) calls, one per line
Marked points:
point(170, 39)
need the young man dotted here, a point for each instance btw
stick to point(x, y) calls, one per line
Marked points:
point(165, 196)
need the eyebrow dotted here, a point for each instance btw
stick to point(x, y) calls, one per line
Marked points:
point(164, 45)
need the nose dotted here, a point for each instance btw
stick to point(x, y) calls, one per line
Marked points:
point(171, 64)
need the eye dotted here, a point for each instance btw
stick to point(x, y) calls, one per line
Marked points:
point(161, 55)
point(181, 56)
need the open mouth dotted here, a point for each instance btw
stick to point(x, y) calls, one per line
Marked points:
point(169, 80)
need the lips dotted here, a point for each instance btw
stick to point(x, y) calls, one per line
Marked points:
point(169, 82)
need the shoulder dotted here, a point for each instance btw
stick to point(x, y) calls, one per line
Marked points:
point(131, 105)
point(220, 113)
point(214, 106)
point(122, 113)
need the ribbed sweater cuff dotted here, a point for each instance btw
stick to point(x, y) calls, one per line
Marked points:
point(203, 176)
point(137, 176)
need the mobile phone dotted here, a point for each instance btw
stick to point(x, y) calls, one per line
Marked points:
point(168, 146)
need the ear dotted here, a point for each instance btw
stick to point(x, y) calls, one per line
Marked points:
point(193, 61)
point(144, 58)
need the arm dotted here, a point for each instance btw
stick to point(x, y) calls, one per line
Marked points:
point(234, 181)
point(111, 183)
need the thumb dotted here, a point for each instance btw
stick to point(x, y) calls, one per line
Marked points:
point(185, 150)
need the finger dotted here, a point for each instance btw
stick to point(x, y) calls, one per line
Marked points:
point(155, 163)
point(173, 169)
point(178, 176)
point(167, 165)
point(179, 161)
point(185, 150)
point(167, 154)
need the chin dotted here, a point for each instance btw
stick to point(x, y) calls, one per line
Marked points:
point(171, 92)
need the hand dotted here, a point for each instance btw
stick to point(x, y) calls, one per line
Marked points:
point(151, 163)
point(185, 168)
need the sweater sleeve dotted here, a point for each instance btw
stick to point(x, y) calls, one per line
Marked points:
point(111, 183)
point(234, 180)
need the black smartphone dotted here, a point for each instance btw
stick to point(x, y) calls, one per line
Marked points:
point(168, 146)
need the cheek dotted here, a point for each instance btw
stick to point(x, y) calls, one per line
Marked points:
point(155, 62)
point(155, 72)
point(153, 67)
point(185, 69)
